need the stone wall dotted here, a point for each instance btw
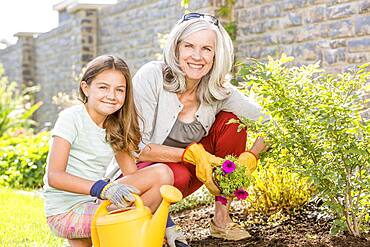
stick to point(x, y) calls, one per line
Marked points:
point(60, 56)
point(134, 29)
point(334, 32)
point(130, 29)
point(56, 66)
point(11, 59)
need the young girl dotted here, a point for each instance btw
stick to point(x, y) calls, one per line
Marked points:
point(83, 142)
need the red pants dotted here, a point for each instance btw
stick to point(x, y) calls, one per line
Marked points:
point(223, 139)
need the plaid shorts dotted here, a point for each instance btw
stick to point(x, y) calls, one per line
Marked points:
point(75, 223)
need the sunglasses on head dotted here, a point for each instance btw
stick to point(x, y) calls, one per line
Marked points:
point(206, 17)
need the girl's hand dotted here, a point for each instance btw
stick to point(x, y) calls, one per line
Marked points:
point(119, 194)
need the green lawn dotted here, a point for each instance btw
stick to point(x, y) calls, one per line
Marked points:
point(22, 220)
point(23, 223)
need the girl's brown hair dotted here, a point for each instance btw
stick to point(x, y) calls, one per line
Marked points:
point(122, 126)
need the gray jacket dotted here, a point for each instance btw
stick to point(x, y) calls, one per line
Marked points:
point(159, 108)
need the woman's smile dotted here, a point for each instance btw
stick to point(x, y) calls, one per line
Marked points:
point(196, 54)
point(195, 66)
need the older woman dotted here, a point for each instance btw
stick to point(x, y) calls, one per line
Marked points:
point(187, 98)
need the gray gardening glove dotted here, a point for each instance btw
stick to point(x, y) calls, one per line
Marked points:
point(175, 238)
point(119, 194)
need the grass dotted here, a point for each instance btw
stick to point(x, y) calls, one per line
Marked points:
point(22, 220)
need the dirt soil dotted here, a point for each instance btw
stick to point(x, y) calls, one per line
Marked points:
point(306, 228)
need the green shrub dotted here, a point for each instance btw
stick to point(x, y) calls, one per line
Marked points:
point(23, 160)
point(16, 107)
point(318, 126)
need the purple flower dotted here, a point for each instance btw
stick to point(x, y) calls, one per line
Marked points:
point(241, 194)
point(228, 166)
point(221, 199)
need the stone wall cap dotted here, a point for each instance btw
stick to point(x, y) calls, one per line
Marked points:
point(26, 34)
point(62, 5)
point(74, 5)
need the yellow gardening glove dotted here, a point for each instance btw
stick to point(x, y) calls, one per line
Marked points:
point(196, 154)
point(249, 160)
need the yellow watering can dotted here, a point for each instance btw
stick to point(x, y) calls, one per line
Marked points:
point(135, 227)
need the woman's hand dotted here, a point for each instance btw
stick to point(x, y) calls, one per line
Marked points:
point(196, 154)
point(259, 146)
point(250, 158)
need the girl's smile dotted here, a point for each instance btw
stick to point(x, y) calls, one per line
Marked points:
point(106, 94)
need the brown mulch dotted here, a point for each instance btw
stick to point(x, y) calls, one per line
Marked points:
point(306, 228)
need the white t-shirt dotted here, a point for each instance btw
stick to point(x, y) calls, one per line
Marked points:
point(89, 157)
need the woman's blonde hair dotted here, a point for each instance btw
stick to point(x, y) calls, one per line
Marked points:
point(122, 126)
point(212, 86)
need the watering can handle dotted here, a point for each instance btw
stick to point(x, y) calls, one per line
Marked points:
point(102, 210)
point(139, 204)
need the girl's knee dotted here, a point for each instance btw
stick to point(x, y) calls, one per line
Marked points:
point(164, 174)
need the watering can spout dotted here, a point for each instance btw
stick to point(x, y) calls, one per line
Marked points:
point(157, 225)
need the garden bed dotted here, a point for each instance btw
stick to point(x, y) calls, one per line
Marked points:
point(308, 227)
